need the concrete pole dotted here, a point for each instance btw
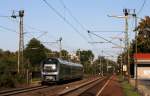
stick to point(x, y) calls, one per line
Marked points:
point(136, 69)
point(79, 56)
point(21, 41)
point(102, 64)
point(127, 41)
point(60, 47)
point(107, 65)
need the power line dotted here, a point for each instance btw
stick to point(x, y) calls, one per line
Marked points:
point(28, 26)
point(105, 31)
point(141, 8)
point(108, 53)
point(8, 29)
point(67, 21)
point(108, 41)
point(63, 18)
point(75, 19)
point(103, 38)
point(14, 20)
point(4, 16)
point(93, 46)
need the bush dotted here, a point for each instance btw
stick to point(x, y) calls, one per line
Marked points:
point(19, 79)
point(127, 88)
point(10, 81)
point(7, 80)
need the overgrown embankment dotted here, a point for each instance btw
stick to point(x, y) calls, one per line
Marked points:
point(127, 88)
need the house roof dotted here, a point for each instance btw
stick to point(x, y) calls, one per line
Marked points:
point(144, 56)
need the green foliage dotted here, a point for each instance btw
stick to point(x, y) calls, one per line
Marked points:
point(7, 80)
point(143, 38)
point(53, 54)
point(143, 41)
point(10, 80)
point(19, 79)
point(35, 52)
point(144, 35)
point(8, 70)
point(127, 88)
point(7, 65)
point(86, 56)
point(101, 61)
point(65, 54)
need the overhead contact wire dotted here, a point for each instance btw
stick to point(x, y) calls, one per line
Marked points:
point(141, 8)
point(76, 30)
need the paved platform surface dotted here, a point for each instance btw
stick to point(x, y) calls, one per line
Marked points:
point(113, 88)
point(143, 86)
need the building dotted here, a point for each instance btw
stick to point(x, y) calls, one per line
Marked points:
point(143, 65)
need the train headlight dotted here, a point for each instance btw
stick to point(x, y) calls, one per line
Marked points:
point(53, 67)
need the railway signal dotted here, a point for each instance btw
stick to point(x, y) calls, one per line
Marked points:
point(21, 38)
point(126, 16)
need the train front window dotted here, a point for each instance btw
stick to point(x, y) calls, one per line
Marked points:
point(49, 67)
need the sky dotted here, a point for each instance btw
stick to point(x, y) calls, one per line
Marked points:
point(47, 25)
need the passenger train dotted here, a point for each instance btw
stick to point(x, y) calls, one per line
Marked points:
point(58, 70)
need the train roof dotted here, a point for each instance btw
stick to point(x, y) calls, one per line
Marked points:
point(65, 62)
point(69, 63)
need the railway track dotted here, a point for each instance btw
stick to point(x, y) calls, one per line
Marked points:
point(78, 90)
point(20, 90)
point(98, 89)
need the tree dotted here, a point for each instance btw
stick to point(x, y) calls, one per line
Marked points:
point(86, 57)
point(144, 35)
point(8, 63)
point(35, 52)
point(143, 38)
point(143, 41)
point(65, 54)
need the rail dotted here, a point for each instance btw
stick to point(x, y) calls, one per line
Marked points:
point(20, 90)
point(88, 85)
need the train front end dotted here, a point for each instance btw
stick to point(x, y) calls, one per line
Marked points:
point(49, 72)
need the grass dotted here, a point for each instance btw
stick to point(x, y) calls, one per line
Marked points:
point(127, 88)
point(36, 79)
